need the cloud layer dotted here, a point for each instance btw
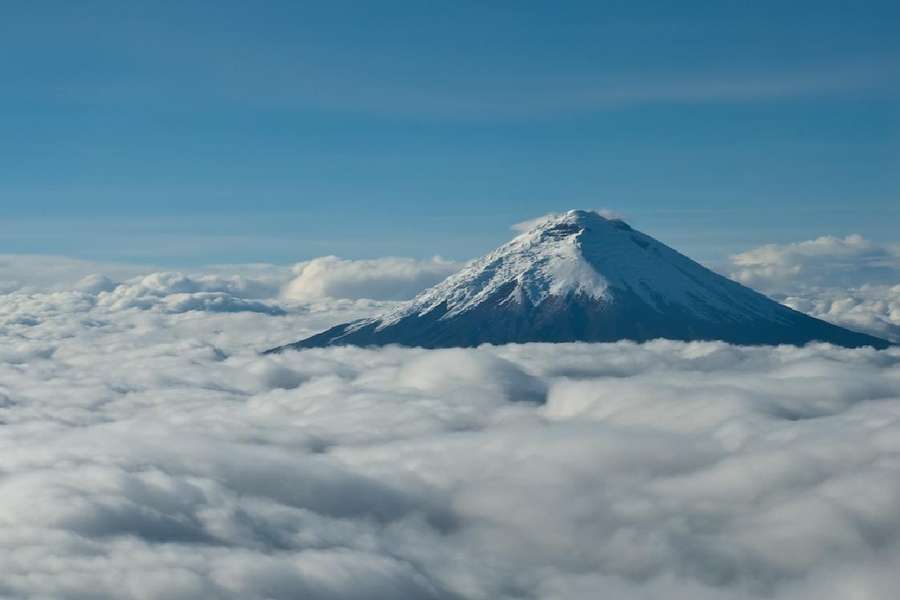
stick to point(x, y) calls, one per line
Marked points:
point(147, 451)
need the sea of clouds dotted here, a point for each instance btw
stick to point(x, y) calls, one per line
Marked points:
point(147, 449)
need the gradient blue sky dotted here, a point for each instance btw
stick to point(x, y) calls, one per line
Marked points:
point(182, 133)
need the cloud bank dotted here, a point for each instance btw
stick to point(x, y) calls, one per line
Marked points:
point(27, 272)
point(824, 261)
point(379, 279)
point(873, 309)
point(850, 281)
point(325, 282)
point(150, 452)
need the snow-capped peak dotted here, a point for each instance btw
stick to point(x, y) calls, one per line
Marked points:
point(579, 276)
point(546, 260)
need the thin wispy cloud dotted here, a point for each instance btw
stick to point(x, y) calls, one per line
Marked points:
point(512, 98)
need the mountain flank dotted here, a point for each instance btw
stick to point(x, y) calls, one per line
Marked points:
point(579, 276)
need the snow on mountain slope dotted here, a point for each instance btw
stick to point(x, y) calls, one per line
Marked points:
point(579, 252)
point(578, 276)
point(546, 261)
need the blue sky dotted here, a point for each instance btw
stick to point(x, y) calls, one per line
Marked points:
point(183, 133)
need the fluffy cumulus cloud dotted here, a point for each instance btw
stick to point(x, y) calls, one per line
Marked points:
point(824, 261)
point(147, 450)
point(850, 281)
point(176, 292)
point(380, 279)
point(871, 308)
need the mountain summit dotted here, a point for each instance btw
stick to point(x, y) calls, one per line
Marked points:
point(578, 276)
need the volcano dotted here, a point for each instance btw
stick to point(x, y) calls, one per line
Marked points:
point(579, 276)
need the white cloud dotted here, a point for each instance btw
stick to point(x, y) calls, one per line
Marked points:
point(95, 283)
point(177, 292)
point(379, 279)
point(28, 272)
point(608, 213)
point(223, 288)
point(824, 261)
point(528, 224)
point(850, 281)
point(874, 309)
point(152, 453)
